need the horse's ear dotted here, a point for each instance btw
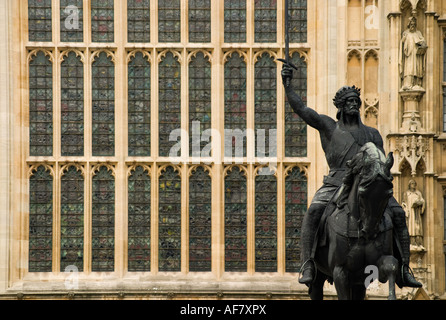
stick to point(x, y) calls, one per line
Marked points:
point(389, 161)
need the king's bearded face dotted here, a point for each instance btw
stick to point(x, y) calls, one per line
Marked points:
point(351, 106)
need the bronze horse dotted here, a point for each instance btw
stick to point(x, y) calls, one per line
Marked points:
point(356, 230)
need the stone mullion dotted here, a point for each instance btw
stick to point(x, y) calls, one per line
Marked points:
point(250, 222)
point(281, 263)
point(120, 31)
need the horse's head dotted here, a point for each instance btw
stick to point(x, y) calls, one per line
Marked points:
point(368, 183)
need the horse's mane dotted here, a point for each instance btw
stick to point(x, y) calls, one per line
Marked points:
point(368, 154)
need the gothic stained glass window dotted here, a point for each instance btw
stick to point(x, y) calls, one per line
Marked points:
point(199, 20)
point(39, 20)
point(103, 221)
point(71, 21)
point(295, 208)
point(298, 21)
point(169, 254)
point(199, 103)
point(139, 188)
point(40, 220)
point(102, 20)
point(41, 105)
point(266, 106)
point(138, 20)
point(200, 212)
point(265, 19)
point(72, 105)
point(103, 92)
point(169, 102)
point(235, 106)
point(236, 221)
point(266, 222)
point(235, 20)
point(169, 21)
point(72, 219)
point(295, 127)
point(139, 81)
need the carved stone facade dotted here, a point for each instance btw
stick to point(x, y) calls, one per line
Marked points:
point(354, 42)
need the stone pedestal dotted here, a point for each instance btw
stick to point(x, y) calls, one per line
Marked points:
point(411, 113)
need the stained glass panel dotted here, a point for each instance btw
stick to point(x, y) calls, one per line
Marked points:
point(199, 20)
point(235, 20)
point(103, 221)
point(103, 91)
point(235, 106)
point(169, 102)
point(169, 21)
point(295, 208)
point(200, 223)
point(138, 20)
point(102, 20)
point(236, 221)
point(199, 103)
point(72, 106)
point(298, 21)
point(39, 20)
point(266, 222)
point(139, 188)
point(40, 221)
point(169, 254)
point(41, 105)
point(71, 21)
point(72, 219)
point(266, 106)
point(139, 81)
point(265, 19)
point(295, 127)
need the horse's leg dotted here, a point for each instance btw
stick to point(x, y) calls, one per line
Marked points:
point(317, 287)
point(388, 270)
point(358, 292)
point(340, 278)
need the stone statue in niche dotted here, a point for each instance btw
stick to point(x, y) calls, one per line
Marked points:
point(414, 205)
point(412, 57)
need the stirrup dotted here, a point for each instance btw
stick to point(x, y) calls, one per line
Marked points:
point(302, 269)
point(409, 270)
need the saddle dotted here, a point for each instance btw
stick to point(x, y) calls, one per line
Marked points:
point(343, 223)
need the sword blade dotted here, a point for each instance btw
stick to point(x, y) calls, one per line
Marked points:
point(287, 30)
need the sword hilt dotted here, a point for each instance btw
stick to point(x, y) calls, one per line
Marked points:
point(287, 84)
point(288, 63)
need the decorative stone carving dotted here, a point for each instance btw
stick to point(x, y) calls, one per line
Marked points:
point(412, 57)
point(414, 205)
point(412, 148)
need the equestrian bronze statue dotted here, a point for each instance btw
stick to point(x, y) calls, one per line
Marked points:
point(353, 221)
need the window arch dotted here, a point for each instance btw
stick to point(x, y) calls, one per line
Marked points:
point(200, 220)
point(265, 220)
point(169, 252)
point(139, 219)
point(103, 92)
point(266, 105)
point(139, 104)
point(72, 218)
point(295, 127)
point(40, 219)
point(200, 86)
point(295, 208)
point(236, 205)
point(169, 100)
point(41, 104)
point(72, 105)
point(103, 219)
point(235, 105)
